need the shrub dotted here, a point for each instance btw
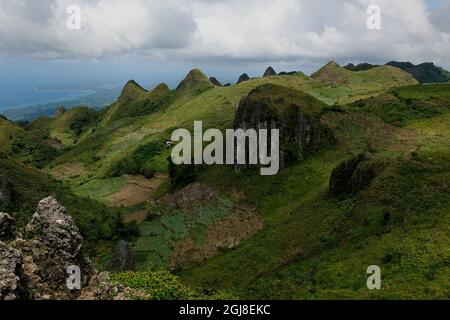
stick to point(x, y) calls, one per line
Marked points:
point(140, 162)
point(182, 175)
point(159, 285)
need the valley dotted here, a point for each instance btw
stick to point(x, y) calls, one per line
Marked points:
point(373, 189)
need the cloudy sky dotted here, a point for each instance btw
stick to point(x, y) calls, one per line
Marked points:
point(151, 40)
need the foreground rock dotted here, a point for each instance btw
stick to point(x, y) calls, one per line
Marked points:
point(11, 273)
point(35, 265)
point(122, 258)
point(7, 227)
point(53, 244)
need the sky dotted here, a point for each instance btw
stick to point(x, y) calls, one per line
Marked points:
point(155, 41)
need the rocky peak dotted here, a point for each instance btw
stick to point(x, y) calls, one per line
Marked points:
point(243, 77)
point(7, 227)
point(131, 91)
point(195, 81)
point(161, 89)
point(269, 72)
point(333, 73)
point(215, 82)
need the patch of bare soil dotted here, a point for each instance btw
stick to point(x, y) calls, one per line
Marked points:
point(138, 190)
point(226, 234)
point(194, 195)
point(67, 170)
point(54, 143)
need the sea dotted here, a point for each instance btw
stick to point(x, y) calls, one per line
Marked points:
point(23, 97)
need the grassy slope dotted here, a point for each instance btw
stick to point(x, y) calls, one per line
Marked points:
point(311, 242)
point(194, 99)
point(336, 84)
point(316, 247)
point(27, 147)
point(21, 151)
point(29, 185)
point(70, 127)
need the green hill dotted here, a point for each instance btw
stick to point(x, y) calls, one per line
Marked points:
point(375, 78)
point(425, 72)
point(298, 240)
point(69, 127)
point(31, 148)
point(135, 101)
point(315, 246)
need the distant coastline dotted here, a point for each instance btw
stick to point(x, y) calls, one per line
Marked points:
point(96, 98)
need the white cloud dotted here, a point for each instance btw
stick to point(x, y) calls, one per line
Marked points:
point(256, 30)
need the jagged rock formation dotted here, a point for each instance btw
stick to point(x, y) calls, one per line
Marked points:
point(269, 72)
point(294, 113)
point(353, 175)
point(122, 258)
point(215, 82)
point(5, 191)
point(244, 77)
point(11, 284)
point(60, 245)
point(7, 227)
point(35, 264)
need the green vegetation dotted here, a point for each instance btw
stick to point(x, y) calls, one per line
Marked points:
point(142, 161)
point(69, 127)
point(158, 237)
point(313, 245)
point(424, 73)
point(30, 185)
point(182, 175)
point(406, 104)
point(162, 285)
